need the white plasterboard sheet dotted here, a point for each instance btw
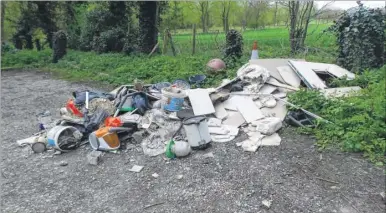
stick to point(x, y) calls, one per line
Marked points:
point(280, 110)
point(248, 108)
point(340, 91)
point(274, 82)
point(271, 140)
point(271, 64)
point(229, 104)
point(201, 103)
point(333, 69)
point(236, 119)
point(289, 76)
point(310, 78)
point(220, 113)
point(267, 89)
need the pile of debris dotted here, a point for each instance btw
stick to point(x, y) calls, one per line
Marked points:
point(173, 118)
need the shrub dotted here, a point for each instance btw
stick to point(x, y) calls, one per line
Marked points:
point(234, 44)
point(361, 38)
point(357, 123)
point(59, 46)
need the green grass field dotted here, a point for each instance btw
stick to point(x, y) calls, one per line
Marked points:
point(272, 42)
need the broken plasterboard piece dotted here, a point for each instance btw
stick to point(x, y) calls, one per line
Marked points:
point(220, 113)
point(280, 94)
point(268, 126)
point(271, 64)
point(215, 122)
point(280, 110)
point(271, 140)
point(136, 168)
point(289, 76)
point(332, 69)
point(340, 91)
point(229, 104)
point(309, 77)
point(274, 82)
point(201, 103)
point(248, 109)
point(236, 119)
point(218, 130)
point(267, 89)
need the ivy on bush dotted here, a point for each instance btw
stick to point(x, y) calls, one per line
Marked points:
point(234, 44)
point(59, 46)
point(360, 36)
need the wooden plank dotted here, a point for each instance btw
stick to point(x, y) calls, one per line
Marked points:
point(308, 76)
point(201, 103)
point(289, 76)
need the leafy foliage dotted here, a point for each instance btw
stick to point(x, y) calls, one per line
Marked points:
point(59, 46)
point(361, 38)
point(357, 123)
point(234, 44)
point(109, 41)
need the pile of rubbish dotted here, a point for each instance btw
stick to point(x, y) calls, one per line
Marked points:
point(174, 118)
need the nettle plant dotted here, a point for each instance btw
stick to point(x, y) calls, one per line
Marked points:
point(360, 36)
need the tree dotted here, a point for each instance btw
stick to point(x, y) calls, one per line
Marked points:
point(226, 6)
point(204, 15)
point(45, 14)
point(3, 5)
point(300, 14)
point(148, 32)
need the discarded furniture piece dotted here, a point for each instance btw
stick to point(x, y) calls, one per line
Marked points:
point(309, 77)
point(197, 132)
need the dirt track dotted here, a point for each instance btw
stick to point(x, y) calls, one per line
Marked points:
point(233, 181)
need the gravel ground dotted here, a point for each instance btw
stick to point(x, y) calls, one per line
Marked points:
point(294, 176)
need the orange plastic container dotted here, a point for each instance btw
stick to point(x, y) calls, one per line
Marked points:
point(113, 122)
point(106, 140)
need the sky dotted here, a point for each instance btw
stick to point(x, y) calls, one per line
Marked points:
point(348, 4)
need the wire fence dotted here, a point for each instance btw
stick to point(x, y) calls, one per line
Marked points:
point(269, 46)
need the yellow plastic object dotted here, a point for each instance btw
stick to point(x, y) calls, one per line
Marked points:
point(108, 138)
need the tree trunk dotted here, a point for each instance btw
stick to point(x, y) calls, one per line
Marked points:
point(293, 11)
point(147, 26)
point(28, 42)
point(3, 5)
point(275, 17)
point(307, 21)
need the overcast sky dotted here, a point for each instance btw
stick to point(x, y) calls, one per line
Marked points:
point(348, 4)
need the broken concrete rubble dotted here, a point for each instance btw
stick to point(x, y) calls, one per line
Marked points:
point(268, 126)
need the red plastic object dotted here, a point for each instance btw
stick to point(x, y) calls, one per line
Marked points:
point(72, 108)
point(113, 122)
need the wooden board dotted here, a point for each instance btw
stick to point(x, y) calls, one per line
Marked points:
point(201, 103)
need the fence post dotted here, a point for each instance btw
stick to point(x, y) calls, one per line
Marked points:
point(165, 42)
point(194, 39)
point(171, 43)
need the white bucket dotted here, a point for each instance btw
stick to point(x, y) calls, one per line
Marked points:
point(72, 135)
point(172, 99)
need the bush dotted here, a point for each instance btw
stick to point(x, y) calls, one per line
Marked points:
point(234, 44)
point(357, 123)
point(109, 41)
point(361, 38)
point(59, 46)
